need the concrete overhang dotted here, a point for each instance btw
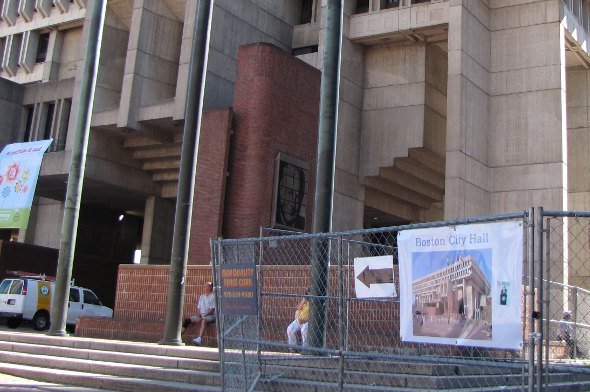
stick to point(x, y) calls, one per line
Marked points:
point(427, 22)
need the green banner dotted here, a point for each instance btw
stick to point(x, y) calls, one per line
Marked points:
point(17, 218)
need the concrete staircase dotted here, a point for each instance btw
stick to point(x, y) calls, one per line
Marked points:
point(132, 366)
point(108, 364)
point(378, 375)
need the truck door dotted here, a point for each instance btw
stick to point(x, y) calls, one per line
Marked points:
point(92, 304)
point(75, 306)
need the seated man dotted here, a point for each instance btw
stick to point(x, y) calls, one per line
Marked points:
point(205, 312)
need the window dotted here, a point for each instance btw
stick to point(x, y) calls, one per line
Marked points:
point(362, 6)
point(74, 295)
point(306, 11)
point(17, 287)
point(390, 4)
point(42, 48)
point(91, 298)
point(305, 50)
point(48, 121)
point(289, 207)
point(4, 286)
point(30, 110)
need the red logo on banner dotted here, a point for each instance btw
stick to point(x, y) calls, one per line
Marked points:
point(12, 172)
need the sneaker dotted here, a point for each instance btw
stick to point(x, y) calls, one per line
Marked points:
point(197, 341)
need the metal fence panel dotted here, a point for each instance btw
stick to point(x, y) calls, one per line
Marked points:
point(567, 282)
point(360, 348)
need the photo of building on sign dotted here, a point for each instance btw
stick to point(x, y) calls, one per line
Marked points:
point(452, 294)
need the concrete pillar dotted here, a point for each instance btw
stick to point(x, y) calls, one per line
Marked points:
point(158, 223)
point(467, 183)
point(158, 50)
point(528, 131)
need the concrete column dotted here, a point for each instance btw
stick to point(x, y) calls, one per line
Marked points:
point(467, 183)
point(158, 50)
point(528, 138)
point(158, 222)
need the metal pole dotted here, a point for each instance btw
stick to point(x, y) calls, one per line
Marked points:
point(188, 168)
point(539, 294)
point(326, 162)
point(575, 317)
point(341, 347)
point(531, 297)
point(217, 251)
point(547, 293)
point(77, 165)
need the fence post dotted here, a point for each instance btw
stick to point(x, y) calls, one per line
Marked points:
point(216, 262)
point(340, 313)
point(539, 315)
point(575, 318)
point(530, 296)
point(259, 300)
point(547, 293)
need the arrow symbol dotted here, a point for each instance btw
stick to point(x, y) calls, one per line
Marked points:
point(375, 276)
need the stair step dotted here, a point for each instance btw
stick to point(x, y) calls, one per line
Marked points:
point(99, 381)
point(110, 356)
point(112, 345)
point(116, 369)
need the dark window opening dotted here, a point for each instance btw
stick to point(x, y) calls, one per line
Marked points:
point(362, 6)
point(42, 48)
point(391, 4)
point(306, 11)
point(420, 1)
point(305, 50)
point(48, 121)
point(27, 136)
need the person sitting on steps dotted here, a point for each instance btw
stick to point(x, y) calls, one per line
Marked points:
point(205, 312)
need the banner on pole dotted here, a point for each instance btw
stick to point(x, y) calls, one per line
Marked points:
point(462, 285)
point(20, 164)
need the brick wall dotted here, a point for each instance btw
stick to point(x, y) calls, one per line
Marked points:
point(210, 184)
point(276, 109)
point(140, 305)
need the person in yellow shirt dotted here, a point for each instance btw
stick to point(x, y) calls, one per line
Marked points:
point(300, 322)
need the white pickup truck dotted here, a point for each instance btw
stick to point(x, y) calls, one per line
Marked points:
point(30, 298)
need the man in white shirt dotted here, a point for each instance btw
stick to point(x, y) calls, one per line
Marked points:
point(205, 312)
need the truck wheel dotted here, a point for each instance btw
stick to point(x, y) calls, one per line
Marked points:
point(41, 321)
point(13, 322)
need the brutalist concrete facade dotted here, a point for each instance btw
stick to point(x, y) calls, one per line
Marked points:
point(448, 109)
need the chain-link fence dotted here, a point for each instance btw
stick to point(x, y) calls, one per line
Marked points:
point(305, 328)
point(566, 289)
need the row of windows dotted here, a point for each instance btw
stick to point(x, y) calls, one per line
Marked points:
point(23, 51)
point(13, 10)
point(362, 6)
point(48, 120)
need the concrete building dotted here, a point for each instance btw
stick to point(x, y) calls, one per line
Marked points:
point(448, 109)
